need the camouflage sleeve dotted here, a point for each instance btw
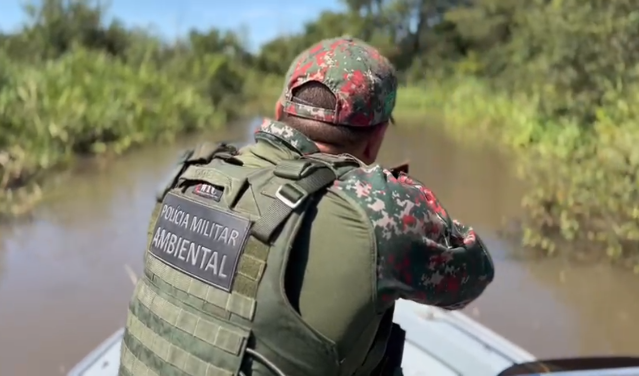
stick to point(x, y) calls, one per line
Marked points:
point(423, 255)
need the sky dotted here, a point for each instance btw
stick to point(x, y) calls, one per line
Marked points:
point(263, 19)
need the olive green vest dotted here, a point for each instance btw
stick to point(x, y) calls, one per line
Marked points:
point(211, 301)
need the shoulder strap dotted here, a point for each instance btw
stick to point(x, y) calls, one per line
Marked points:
point(377, 354)
point(307, 178)
point(391, 363)
point(385, 355)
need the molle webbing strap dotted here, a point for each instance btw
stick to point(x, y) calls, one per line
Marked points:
point(166, 336)
point(178, 340)
point(187, 345)
point(292, 194)
point(201, 154)
point(240, 301)
point(154, 215)
point(204, 152)
point(201, 295)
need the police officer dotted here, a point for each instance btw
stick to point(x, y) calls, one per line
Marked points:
point(286, 257)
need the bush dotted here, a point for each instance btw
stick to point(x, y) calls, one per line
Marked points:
point(86, 103)
point(584, 186)
point(556, 82)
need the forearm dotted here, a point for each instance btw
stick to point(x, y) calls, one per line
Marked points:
point(475, 272)
point(442, 263)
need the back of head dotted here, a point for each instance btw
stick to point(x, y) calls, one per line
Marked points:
point(337, 137)
point(338, 92)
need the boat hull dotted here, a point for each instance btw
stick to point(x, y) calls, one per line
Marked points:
point(438, 343)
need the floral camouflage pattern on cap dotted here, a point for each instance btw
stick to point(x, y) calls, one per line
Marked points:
point(363, 81)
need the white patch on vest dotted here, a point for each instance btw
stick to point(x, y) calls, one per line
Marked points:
point(208, 191)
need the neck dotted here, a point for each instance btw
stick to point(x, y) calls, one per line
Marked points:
point(330, 149)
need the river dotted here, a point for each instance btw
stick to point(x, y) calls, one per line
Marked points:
point(66, 275)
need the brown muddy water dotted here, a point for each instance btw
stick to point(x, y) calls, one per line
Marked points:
point(66, 276)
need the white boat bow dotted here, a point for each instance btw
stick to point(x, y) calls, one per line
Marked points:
point(438, 343)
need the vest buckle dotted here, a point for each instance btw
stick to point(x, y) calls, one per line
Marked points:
point(290, 195)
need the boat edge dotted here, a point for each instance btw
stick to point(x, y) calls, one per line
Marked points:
point(97, 353)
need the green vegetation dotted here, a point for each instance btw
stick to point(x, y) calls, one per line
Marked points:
point(554, 81)
point(71, 85)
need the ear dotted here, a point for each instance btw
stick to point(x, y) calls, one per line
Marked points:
point(374, 143)
point(378, 135)
point(278, 110)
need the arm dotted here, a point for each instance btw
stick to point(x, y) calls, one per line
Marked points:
point(399, 169)
point(438, 261)
point(423, 255)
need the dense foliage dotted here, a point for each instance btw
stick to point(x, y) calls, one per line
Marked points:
point(554, 80)
point(71, 85)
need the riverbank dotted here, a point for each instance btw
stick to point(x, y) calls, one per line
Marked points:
point(583, 199)
point(86, 104)
point(582, 192)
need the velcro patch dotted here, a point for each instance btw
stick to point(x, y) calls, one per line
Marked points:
point(209, 191)
point(200, 241)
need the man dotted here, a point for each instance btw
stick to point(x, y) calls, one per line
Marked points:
point(286, 258)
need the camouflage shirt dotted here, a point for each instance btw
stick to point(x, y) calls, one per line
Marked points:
point(423, 255)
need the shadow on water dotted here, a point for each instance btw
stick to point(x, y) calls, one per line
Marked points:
point(67, 278)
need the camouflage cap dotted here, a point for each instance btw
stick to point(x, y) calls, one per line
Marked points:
point(363, 81)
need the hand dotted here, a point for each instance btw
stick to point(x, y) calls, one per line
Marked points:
point(402, 168)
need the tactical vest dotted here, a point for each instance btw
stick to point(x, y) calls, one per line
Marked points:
point(211, 301)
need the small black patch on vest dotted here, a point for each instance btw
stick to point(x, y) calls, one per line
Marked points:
point(209, 191)
point(200, 241)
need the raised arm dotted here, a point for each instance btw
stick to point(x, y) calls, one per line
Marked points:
point(423, 255)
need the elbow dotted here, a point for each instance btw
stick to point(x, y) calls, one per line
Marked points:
point(469, 296)
point(486, 265)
